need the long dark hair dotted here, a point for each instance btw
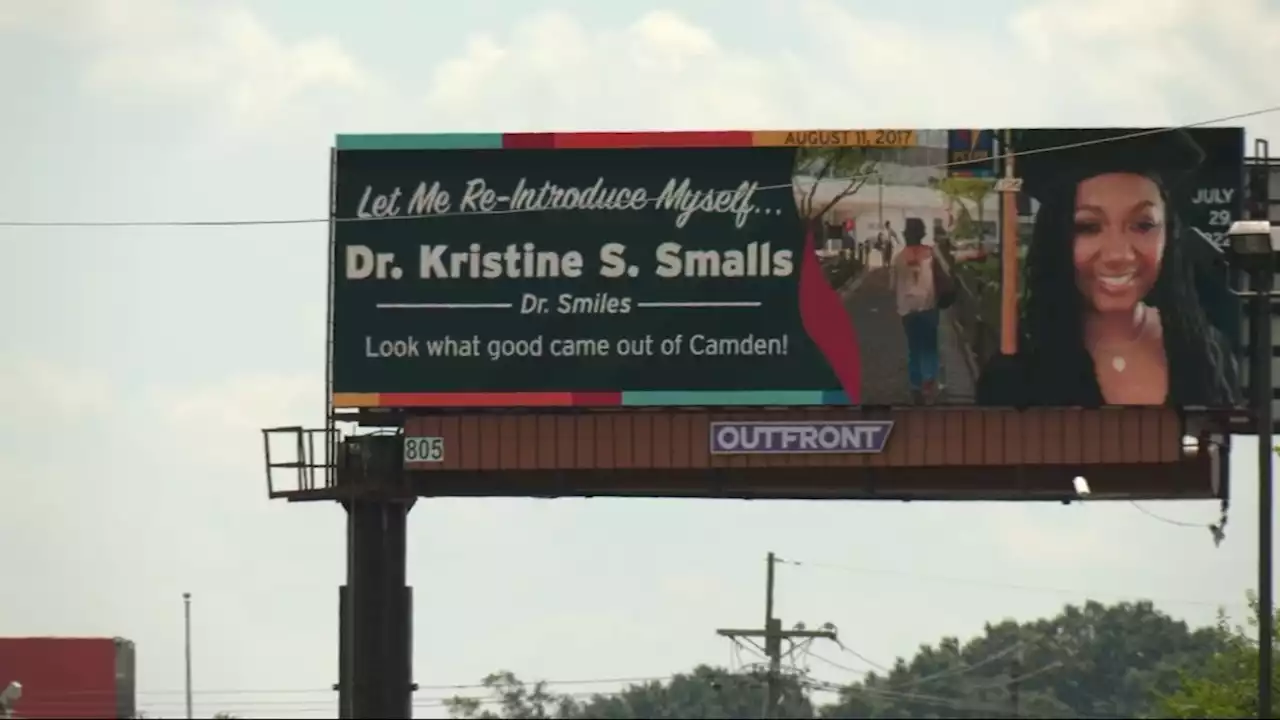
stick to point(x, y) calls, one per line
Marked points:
point(1052, 326)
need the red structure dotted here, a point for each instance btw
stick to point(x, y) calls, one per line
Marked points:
point(70, 677)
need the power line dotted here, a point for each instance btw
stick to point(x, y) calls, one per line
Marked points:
point(948, 673)
point(232, 692)
point(840, 666)
point(994, 710)
point(70, 702)
point(854, 653)
point(1168, 521)
point(787, 186)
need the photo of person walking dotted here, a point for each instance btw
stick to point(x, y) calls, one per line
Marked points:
point(921, 289)
point(899, 285)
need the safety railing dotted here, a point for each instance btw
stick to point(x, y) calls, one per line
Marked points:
point(299, 460)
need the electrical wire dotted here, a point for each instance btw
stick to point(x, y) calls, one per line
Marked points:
point(839, 666)
point(421, 688)
point(241, 705)
point(948, 673)
point(788, 186)
point(854, 653)
point(72, 703)
point(963, 670)
point(937, 701)
point(1169, 521)
point(900, 688)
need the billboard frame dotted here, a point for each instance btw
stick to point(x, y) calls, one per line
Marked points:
point(347, 404)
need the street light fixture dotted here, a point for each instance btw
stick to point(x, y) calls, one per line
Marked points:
point(10, 697)
point(1254, 246)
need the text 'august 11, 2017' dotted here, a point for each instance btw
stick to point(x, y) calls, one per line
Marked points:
point(540, 346)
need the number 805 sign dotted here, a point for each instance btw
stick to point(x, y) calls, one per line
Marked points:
point(423, 449)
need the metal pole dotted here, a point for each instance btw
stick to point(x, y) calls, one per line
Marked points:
point(886, 251)
point(880, 201)
point(772, 645)
point(1009, 267)
point(186, 611)
point(1263, 282)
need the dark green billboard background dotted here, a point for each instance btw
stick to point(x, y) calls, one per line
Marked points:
point(724, 272)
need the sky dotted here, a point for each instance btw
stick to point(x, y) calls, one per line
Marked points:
point(140, 363)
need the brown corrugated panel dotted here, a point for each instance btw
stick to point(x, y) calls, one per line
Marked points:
point(677, 440)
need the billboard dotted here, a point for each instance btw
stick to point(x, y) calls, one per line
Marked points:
point(971, 153)
point(694, 269)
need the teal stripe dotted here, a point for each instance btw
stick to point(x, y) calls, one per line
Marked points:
point(727, 397)
point(441, 141)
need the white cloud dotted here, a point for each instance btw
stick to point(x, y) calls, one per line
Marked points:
point(245, 402)
point(1195, 58)
point(1052, 62)
point(1094, 62)
point(552, 72)
point(249, 75)
point(35, 391)
point(222, 422)
point(221, 57)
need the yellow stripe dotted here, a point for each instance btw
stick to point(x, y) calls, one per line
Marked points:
point(835, 138)
point(356, 400)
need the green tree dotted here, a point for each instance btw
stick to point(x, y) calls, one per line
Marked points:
point(966, 189)
point(844, 169)
point(511, 698)
point(1093, 660)
point(1226, 684)
point(848, 169)
point(706, 692)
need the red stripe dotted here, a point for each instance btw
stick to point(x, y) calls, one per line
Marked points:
point(528, 141)
point(518, 399)
point(588, 141)
point(597, 399)
point(476, 400)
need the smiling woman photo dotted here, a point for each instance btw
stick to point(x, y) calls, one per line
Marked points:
point(1110, 314)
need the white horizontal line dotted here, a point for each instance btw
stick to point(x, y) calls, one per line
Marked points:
point(737, 304)
point(445, 306)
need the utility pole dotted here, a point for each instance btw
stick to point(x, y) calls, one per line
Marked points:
point(186, 628)
point(773, 635)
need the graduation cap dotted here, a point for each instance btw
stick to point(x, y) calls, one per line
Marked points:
point(1168, 154)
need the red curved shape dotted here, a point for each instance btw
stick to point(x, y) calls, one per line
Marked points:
point(827, 323)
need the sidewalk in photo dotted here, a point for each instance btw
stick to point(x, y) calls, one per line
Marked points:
point(872, 307)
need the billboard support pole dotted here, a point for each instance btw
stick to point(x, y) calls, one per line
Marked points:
point(1253, 244)
point(377, 679)
point(375, 674)
point(1263, 283)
